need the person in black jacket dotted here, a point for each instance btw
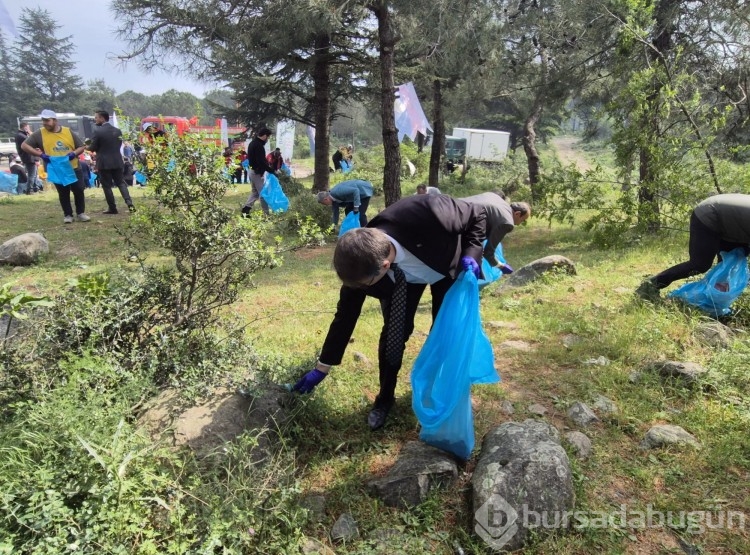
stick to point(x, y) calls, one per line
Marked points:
point(29, 161)
point(106, 142)
point(428, 239)
point(337, 157)
point(256, 156)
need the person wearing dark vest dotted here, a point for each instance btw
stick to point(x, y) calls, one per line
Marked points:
point(256, 156)
point(719, 223)
point(54, 140)
point(419, 240)
point(106, 143)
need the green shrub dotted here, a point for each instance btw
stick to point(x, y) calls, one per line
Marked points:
point(77, 476)
point(291, 186)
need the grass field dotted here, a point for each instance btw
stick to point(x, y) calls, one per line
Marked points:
point(287, 314)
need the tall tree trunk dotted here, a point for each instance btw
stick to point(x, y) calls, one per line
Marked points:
point(438, 130)
point(321, 83)
point(648, 204)
point(532, 156)
point(387, 43)
point(529, 129)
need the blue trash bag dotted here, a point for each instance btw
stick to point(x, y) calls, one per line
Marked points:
point(285, 169)
point(274, 195)
point(456, 354)
point(345, 166)
point(245, 163)
point(92, 179)
point(720, 287)
point(60, 172)
point(140, 177)
point(9, 183)
point(491, 273)
point(350, 222)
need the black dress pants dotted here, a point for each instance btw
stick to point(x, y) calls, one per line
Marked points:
point(389, 372)
point(704, 246)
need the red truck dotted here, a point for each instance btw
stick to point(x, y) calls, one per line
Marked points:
point(180, 125)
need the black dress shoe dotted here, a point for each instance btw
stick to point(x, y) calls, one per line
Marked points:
point(376, 418)
point(110, 212)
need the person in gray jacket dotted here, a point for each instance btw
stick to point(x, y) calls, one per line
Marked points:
point(502, 218)
point(719, 223)
point(353, 195)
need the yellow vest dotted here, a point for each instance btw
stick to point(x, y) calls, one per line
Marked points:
point(59, 144)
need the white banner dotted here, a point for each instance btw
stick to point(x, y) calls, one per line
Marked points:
point(224, 129)
point(285, 138)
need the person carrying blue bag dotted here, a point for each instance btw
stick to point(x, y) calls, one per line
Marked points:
point(354, 195)
point(719, 223)
point(59, 149)
point(502, 218)
point(256, 157)
point(418, 241)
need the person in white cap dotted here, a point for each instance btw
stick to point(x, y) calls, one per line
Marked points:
point(54, 140)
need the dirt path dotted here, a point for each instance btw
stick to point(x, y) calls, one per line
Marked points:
point(568, 153)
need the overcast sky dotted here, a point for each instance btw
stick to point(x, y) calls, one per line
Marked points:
point(92, 30)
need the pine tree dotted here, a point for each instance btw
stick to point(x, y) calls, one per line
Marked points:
point(45, 61)
point(8, 106)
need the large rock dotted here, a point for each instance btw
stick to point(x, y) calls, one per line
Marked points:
point(689, 372)
point(419, 469)
point(23, 250)
point(208, 426)
point(534, 270)
point(714, 334)
point(664, 435)
point(522, 484)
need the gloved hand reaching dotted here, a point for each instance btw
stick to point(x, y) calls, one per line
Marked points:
point(506, 268)
point(309, 381)
point(470, 265)
point(45, 157)
point(71, 155)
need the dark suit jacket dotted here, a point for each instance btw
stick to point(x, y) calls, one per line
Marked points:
point(437, 229)
point(106, 142)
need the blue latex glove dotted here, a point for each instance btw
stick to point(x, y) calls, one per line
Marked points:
point(71, 155)
point(45, 157)
point(309, 381)
point(470, 265)
point(506, 268)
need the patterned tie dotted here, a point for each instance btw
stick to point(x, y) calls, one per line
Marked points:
point(395, 337)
